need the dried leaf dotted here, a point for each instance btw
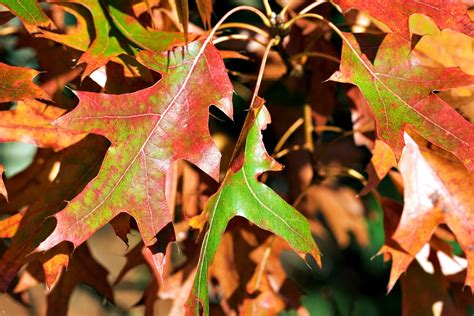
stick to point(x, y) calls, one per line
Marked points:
point(342, 210)
point(436, 192)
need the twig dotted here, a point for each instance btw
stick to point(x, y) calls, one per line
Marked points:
point(288, 133)
point(244, 26)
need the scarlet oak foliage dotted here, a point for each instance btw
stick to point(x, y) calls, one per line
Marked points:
point(437, 190)
point(395, 13)
point(241, 194)
point(400, 93)
point(145, 142)
point(112, 158)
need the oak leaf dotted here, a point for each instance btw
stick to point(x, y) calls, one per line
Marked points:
point(241, 194)
point(437, 191)
point(432, 294)
point(380, 164)
point(29, 12)
point(116, 32)
point(17, 84)
point(83, 268)
point(143, 129)
point(400, 93)
point(442, 47)
point(79, 163)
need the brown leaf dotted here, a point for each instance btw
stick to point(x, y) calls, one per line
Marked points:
point(342, 210)
point(437, 190)
point(80, 163)
point(83, 269)
point(426, 294)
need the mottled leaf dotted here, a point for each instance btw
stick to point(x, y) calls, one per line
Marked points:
point(241, 194)
point(400, 93)
point(115, 31)
point(395, 13)
point(108, 42)
point(143, 129)
point(16, 84)
point(437, 191)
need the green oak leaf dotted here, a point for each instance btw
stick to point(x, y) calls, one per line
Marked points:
point(115, 33)
point(122, 15)
point(241, 194)
point(29, 12)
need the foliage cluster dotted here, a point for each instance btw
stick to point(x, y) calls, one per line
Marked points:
point(154, 116)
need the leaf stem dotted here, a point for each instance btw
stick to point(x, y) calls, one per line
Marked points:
point(288, 150)
point(308, 128)
point(243, 37)
point(244, 26)
point(265, 20)
point(320, 18)
point(288, 133)
point(269, 46)
point(312, 6)
point(285, 8)
point(268, 8)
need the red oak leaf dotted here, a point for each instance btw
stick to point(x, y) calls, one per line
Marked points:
point(148, 129)
point(401, 95)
